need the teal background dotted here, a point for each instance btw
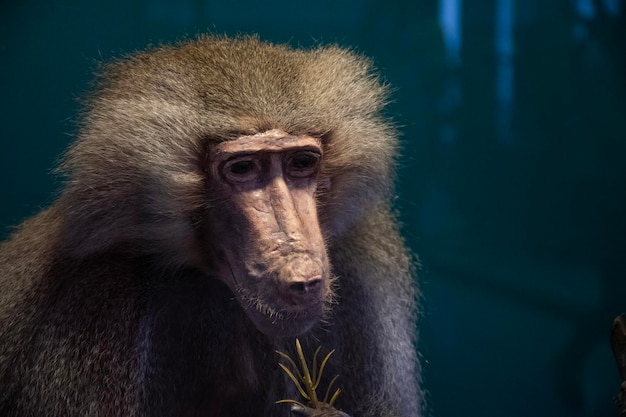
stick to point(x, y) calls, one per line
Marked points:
point(511, 187)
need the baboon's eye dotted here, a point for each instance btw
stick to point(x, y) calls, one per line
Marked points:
point(303, 164)
point(242, 169)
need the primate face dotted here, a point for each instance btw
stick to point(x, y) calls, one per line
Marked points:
point(270, 246)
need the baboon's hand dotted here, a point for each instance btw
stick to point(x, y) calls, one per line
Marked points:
point(299, 411)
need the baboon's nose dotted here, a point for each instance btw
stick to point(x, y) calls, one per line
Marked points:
point(305, 292)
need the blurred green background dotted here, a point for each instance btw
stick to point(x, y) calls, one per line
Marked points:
point(512, 185)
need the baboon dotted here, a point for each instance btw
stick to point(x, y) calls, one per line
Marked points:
point(223, 196)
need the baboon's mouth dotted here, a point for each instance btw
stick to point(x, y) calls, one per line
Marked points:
point(277, 320)
point(272, 313)
point(282, 323)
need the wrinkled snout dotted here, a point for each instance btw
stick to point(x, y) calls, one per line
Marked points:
point(290, 249)
point(301, 282)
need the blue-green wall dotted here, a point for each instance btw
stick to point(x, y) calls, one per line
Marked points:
point(512, 184)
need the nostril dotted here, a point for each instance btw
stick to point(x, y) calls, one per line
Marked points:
point(313, 284)
point(297, 288)
point(304, 287)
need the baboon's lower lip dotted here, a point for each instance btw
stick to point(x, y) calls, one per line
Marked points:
point(284, 323)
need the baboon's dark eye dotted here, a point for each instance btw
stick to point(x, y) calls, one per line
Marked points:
point(240, 170)
point(303, 164)
point(241, 167)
